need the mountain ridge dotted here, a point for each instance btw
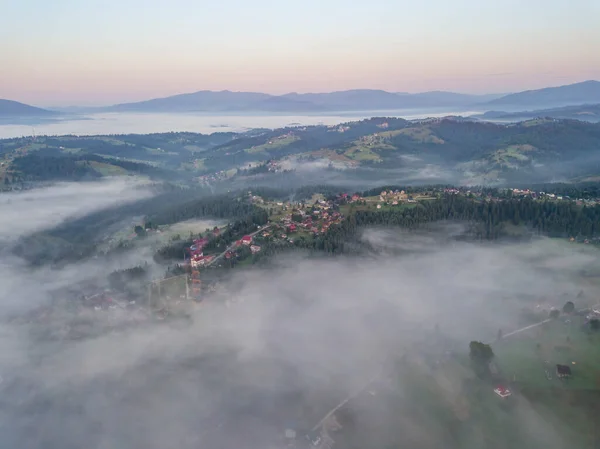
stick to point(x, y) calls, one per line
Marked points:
point(584, 112)
point(354, 99)
point(10, 108)
point(552, 97)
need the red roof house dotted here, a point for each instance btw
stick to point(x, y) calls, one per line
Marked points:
point(502, 391)
point(247, 239)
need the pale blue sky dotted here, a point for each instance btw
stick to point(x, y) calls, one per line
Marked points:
point(96, 52)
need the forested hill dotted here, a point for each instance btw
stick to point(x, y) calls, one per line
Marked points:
point(487, 220)
point(449, 150)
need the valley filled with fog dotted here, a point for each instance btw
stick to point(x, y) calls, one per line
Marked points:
point(274, 348)
point(206, 123)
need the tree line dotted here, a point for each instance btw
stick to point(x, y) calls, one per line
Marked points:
point(489, 219)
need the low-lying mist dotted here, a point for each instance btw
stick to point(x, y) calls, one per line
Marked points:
point(272, 349)
point(32, 210)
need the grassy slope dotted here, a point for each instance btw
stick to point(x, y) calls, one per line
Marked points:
point(273, 144)
point(559, 344)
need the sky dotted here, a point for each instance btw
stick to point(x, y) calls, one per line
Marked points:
point(72, 52)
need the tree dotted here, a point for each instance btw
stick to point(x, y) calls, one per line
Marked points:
point(140, 231)
point(554, 313)
point(480, 352)
point(594, 324)
point(569, 307)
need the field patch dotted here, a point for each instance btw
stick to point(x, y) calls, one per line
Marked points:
point(108, 169)
point(274, 144)
point(333, 156)
point(531, 358)
point(421, 134)
point(513, 155)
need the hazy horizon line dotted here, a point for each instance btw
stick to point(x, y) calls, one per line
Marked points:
point(92, 104)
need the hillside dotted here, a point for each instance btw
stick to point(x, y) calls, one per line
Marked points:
point(441, 150)
point(9, 108)
point(586, 112)
point(448, 150)
point(586, 92)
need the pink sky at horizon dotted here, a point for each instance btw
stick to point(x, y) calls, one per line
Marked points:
point(88, 92)
point(105, 52)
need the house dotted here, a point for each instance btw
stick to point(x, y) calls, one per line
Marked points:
point(502, 391)
point(195, 251)
point(200, 243)
point(247, 239)
point(563, 371)
point(314, 438)
point(197, 261)
point(254, 249)
point(292, 228)
point(355, 197)
point(228, 255)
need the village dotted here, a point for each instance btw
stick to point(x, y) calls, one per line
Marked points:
point(290, 222)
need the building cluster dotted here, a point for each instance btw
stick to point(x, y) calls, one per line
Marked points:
point(246, 240)
point(197, 257)
point(393, 197)
point(274, 166)
point(213, 177)
point(552, 196)
point(339, 128)
point(371, 140)
point(316, 220)
point(347, 198)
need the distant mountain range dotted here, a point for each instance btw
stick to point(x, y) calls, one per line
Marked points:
point(9, 108)
point(364, 100)
point(586, 112)
point(587, 92)
point(349, 100)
